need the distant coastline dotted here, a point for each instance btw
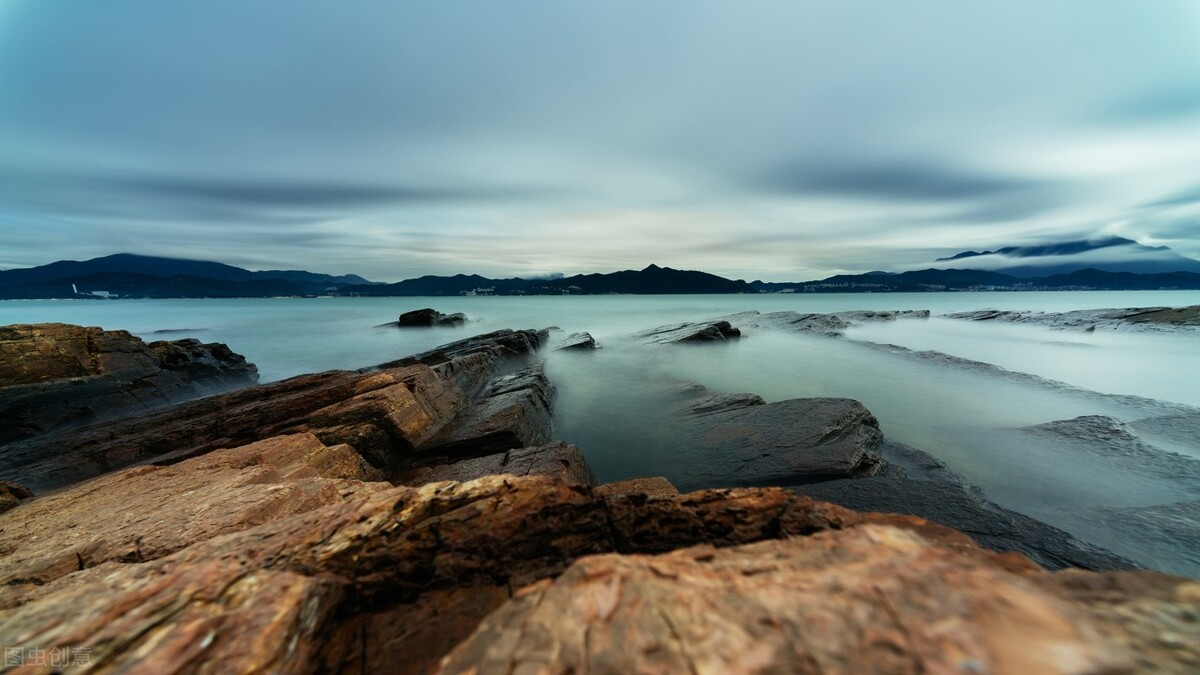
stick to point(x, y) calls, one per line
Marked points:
point(132, 276)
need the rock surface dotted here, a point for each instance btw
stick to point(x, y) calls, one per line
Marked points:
point(1132, 318)
point(54, 376)
point(385, 414)
point(578, 341)
point(711, 331)
point(11, 494)
point(869, 599)
point(655, 486)
point(783, 443)
point(429, 317)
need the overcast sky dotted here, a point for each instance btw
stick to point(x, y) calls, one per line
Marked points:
point(775, 140)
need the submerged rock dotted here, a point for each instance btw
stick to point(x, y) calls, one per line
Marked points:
point(54, 376)
point(429, 317)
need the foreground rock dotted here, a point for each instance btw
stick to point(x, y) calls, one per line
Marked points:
point(54, 376)
point(12, 494)
point(869, 599)
point(429, 317)
point(386, 414)
point(1129, 319)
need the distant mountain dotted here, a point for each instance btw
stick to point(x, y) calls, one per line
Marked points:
point(1110, 254)
point(127, 274)
point(653, 280)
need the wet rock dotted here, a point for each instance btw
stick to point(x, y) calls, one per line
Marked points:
point(712, 331)
point(655, 486)
point(830, 324)
point(557, 460)
point(579, 341)
point(867, 599)
point(720, 403)
point(11, 494)
point(787, 442)
point(1165, 533)
point(1128, 319)
point(1107, 439)
point(957, 506)
point(515, 411)
point(429, 317)
point(55, 376)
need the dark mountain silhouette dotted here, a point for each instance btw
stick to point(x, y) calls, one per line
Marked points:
point(127, 274)
point(141, 276)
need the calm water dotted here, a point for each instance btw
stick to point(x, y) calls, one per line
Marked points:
point(609, 400)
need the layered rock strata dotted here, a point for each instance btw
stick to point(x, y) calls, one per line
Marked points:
point(54, 376)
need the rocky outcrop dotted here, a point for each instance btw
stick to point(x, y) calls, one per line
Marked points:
point(1128, 319)
point(1103, 438)
point(515, 411)
point(868, 599)
point(54, 376)
point(732, 441)
point(556, 460)
point(12, 494)
point(578, 342)
point(711, 331)
point(655, 486)
point(386, 414)
point(429, 317)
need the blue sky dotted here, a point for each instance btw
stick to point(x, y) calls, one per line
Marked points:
point(772, 140)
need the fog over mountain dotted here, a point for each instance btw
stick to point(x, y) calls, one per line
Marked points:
point(771, 140)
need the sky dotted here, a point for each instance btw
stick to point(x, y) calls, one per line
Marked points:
point(760, 140)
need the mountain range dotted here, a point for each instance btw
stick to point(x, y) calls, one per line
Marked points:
point(128, 275)
point(1107, 254)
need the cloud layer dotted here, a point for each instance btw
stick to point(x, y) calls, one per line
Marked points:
point(775, 140)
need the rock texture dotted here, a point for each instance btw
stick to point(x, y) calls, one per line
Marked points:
point(870, 599)
point(386, 414)
point(429, 317)
point(578, 342)
point(1131, 319)
point(742, 441)
point(54, 376)
point(11, 494)
point(712, 331)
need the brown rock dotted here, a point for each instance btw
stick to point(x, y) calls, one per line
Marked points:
point(516, 411)
point(11, 494)
point(557, 460)
point(656, 486)
point(870, 599)
point(57, 375)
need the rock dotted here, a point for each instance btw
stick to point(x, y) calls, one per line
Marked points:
point(788, 442)
point(428, 317)
point(318, 590)
point(832, 324)
point(868, 599)
point(989, 524)
point(579, 341)
point(1107, 439)
point(11, 494)
point(656, 486)
point(384, 414)
point(720, 403)
point(516, 411)
point(1165, 533)
point(711, 331)
point(557, 460)
point(57, 375)
point(1129, 319)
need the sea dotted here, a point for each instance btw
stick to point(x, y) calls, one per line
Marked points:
point(966, 411)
